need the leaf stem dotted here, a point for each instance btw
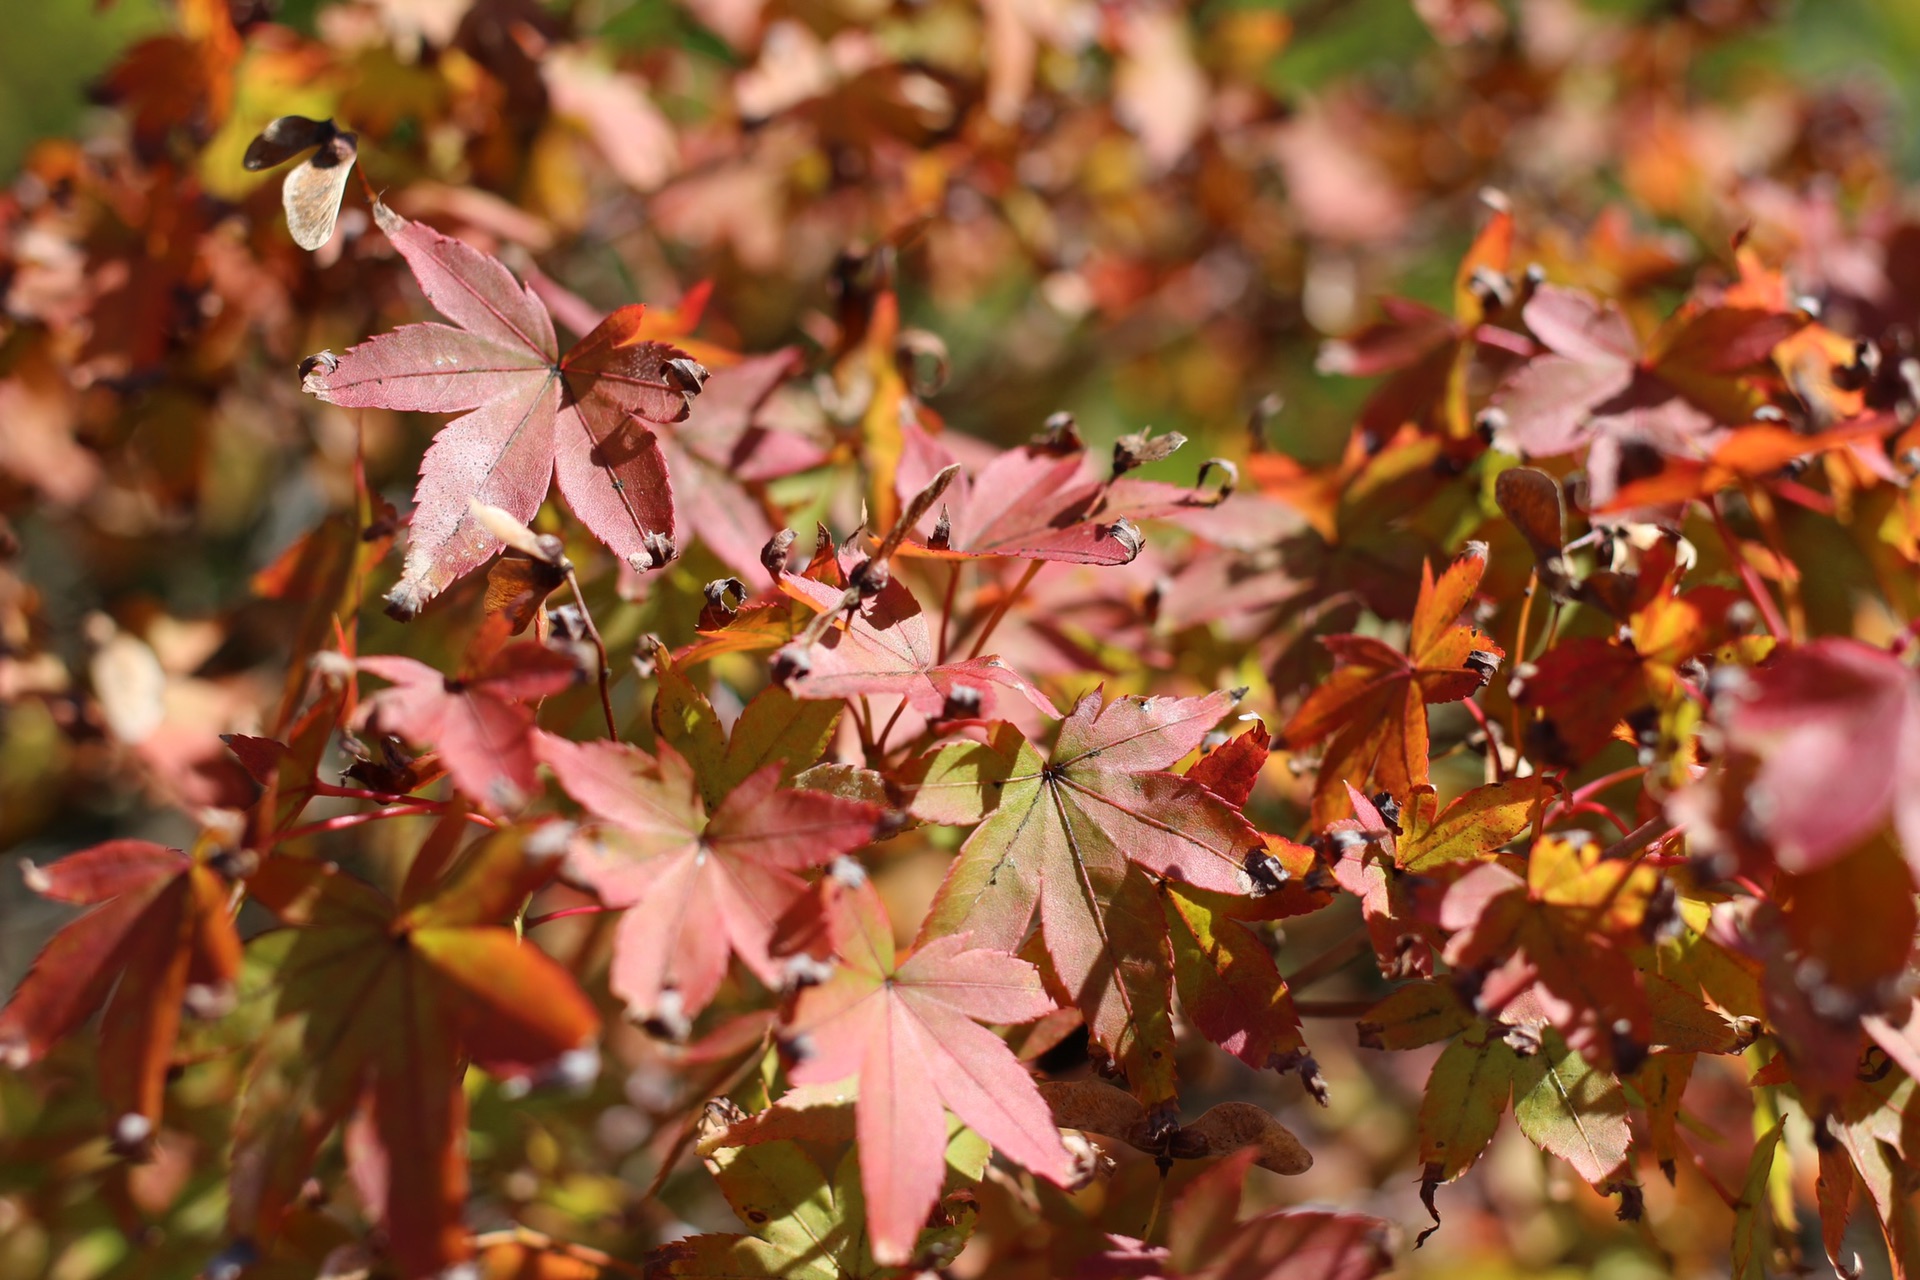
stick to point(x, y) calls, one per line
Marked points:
point(1764, 514)
point(946, 610)
point(599, 647)
point(1479, 715)
point(342, 821)
point(1594, 788)
point(585, 909)
point(1647, 834)
point(1756, 589)
point(1328, 962)
point(1332, 1008)
point(1520, 656)
point(1000, 610)
point(880, 743)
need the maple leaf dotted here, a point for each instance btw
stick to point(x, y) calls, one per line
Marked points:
point(1466, 1094)
point(774, 727)
point(1559, 936)
point(1080, 836)
point(1586, 686)
point(1573, 1110)
point(1596, 386)
point(697, 887)
point(1835, 727)
point(390, 1002)
point(478, 722)
point(1044, 501)
point(1371, 854)
point(907, 1029)
point(884, 646)
point(808, 1226)
point(1374, 704)
point(159, 937)
point(1205, 1242)
point(531, 414)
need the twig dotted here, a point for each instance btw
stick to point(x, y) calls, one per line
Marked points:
point(1479, 715)
point(1768, 519)
point(586, 909)
point(599, 647)
point(1332, 1008)
point(340, 822)
point(1520, 656)
point(946, 609)
point(1756, 589)
point(1000, 610)
point(1328, 962)
point(1648, 833)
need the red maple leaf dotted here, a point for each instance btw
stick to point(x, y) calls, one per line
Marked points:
point(1835, 727)
point(159, 930)
point(1559, 938)
point(907, 1029)
point(478, 722)
point(531, 414)
point(1046, 501)
point(884, 646)
point(1597, 386)
point(696, 887)
point(391, 1003)
point(1374, 704)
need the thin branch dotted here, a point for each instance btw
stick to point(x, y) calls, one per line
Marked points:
point(1756, 589)
point(1330, 961)
point(340, 822)
point(586, 909)
point(1000, 610)
point(599, 647)
point(1335, 1009)
point(946, 609)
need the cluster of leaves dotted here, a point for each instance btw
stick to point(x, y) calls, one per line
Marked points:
point(896, 889)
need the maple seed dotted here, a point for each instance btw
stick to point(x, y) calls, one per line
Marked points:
point(1128, 535)
point(1483, 664)
point(131, 1134)
point(686, 375)
point(963, 703)
point(657, 550)
point(870, 577)
point(790, 662)
point(1059, 436)
point(725, 596)
point(773, 556)
point(1142, 447)
point(1265, 871)
point(1229, 480)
